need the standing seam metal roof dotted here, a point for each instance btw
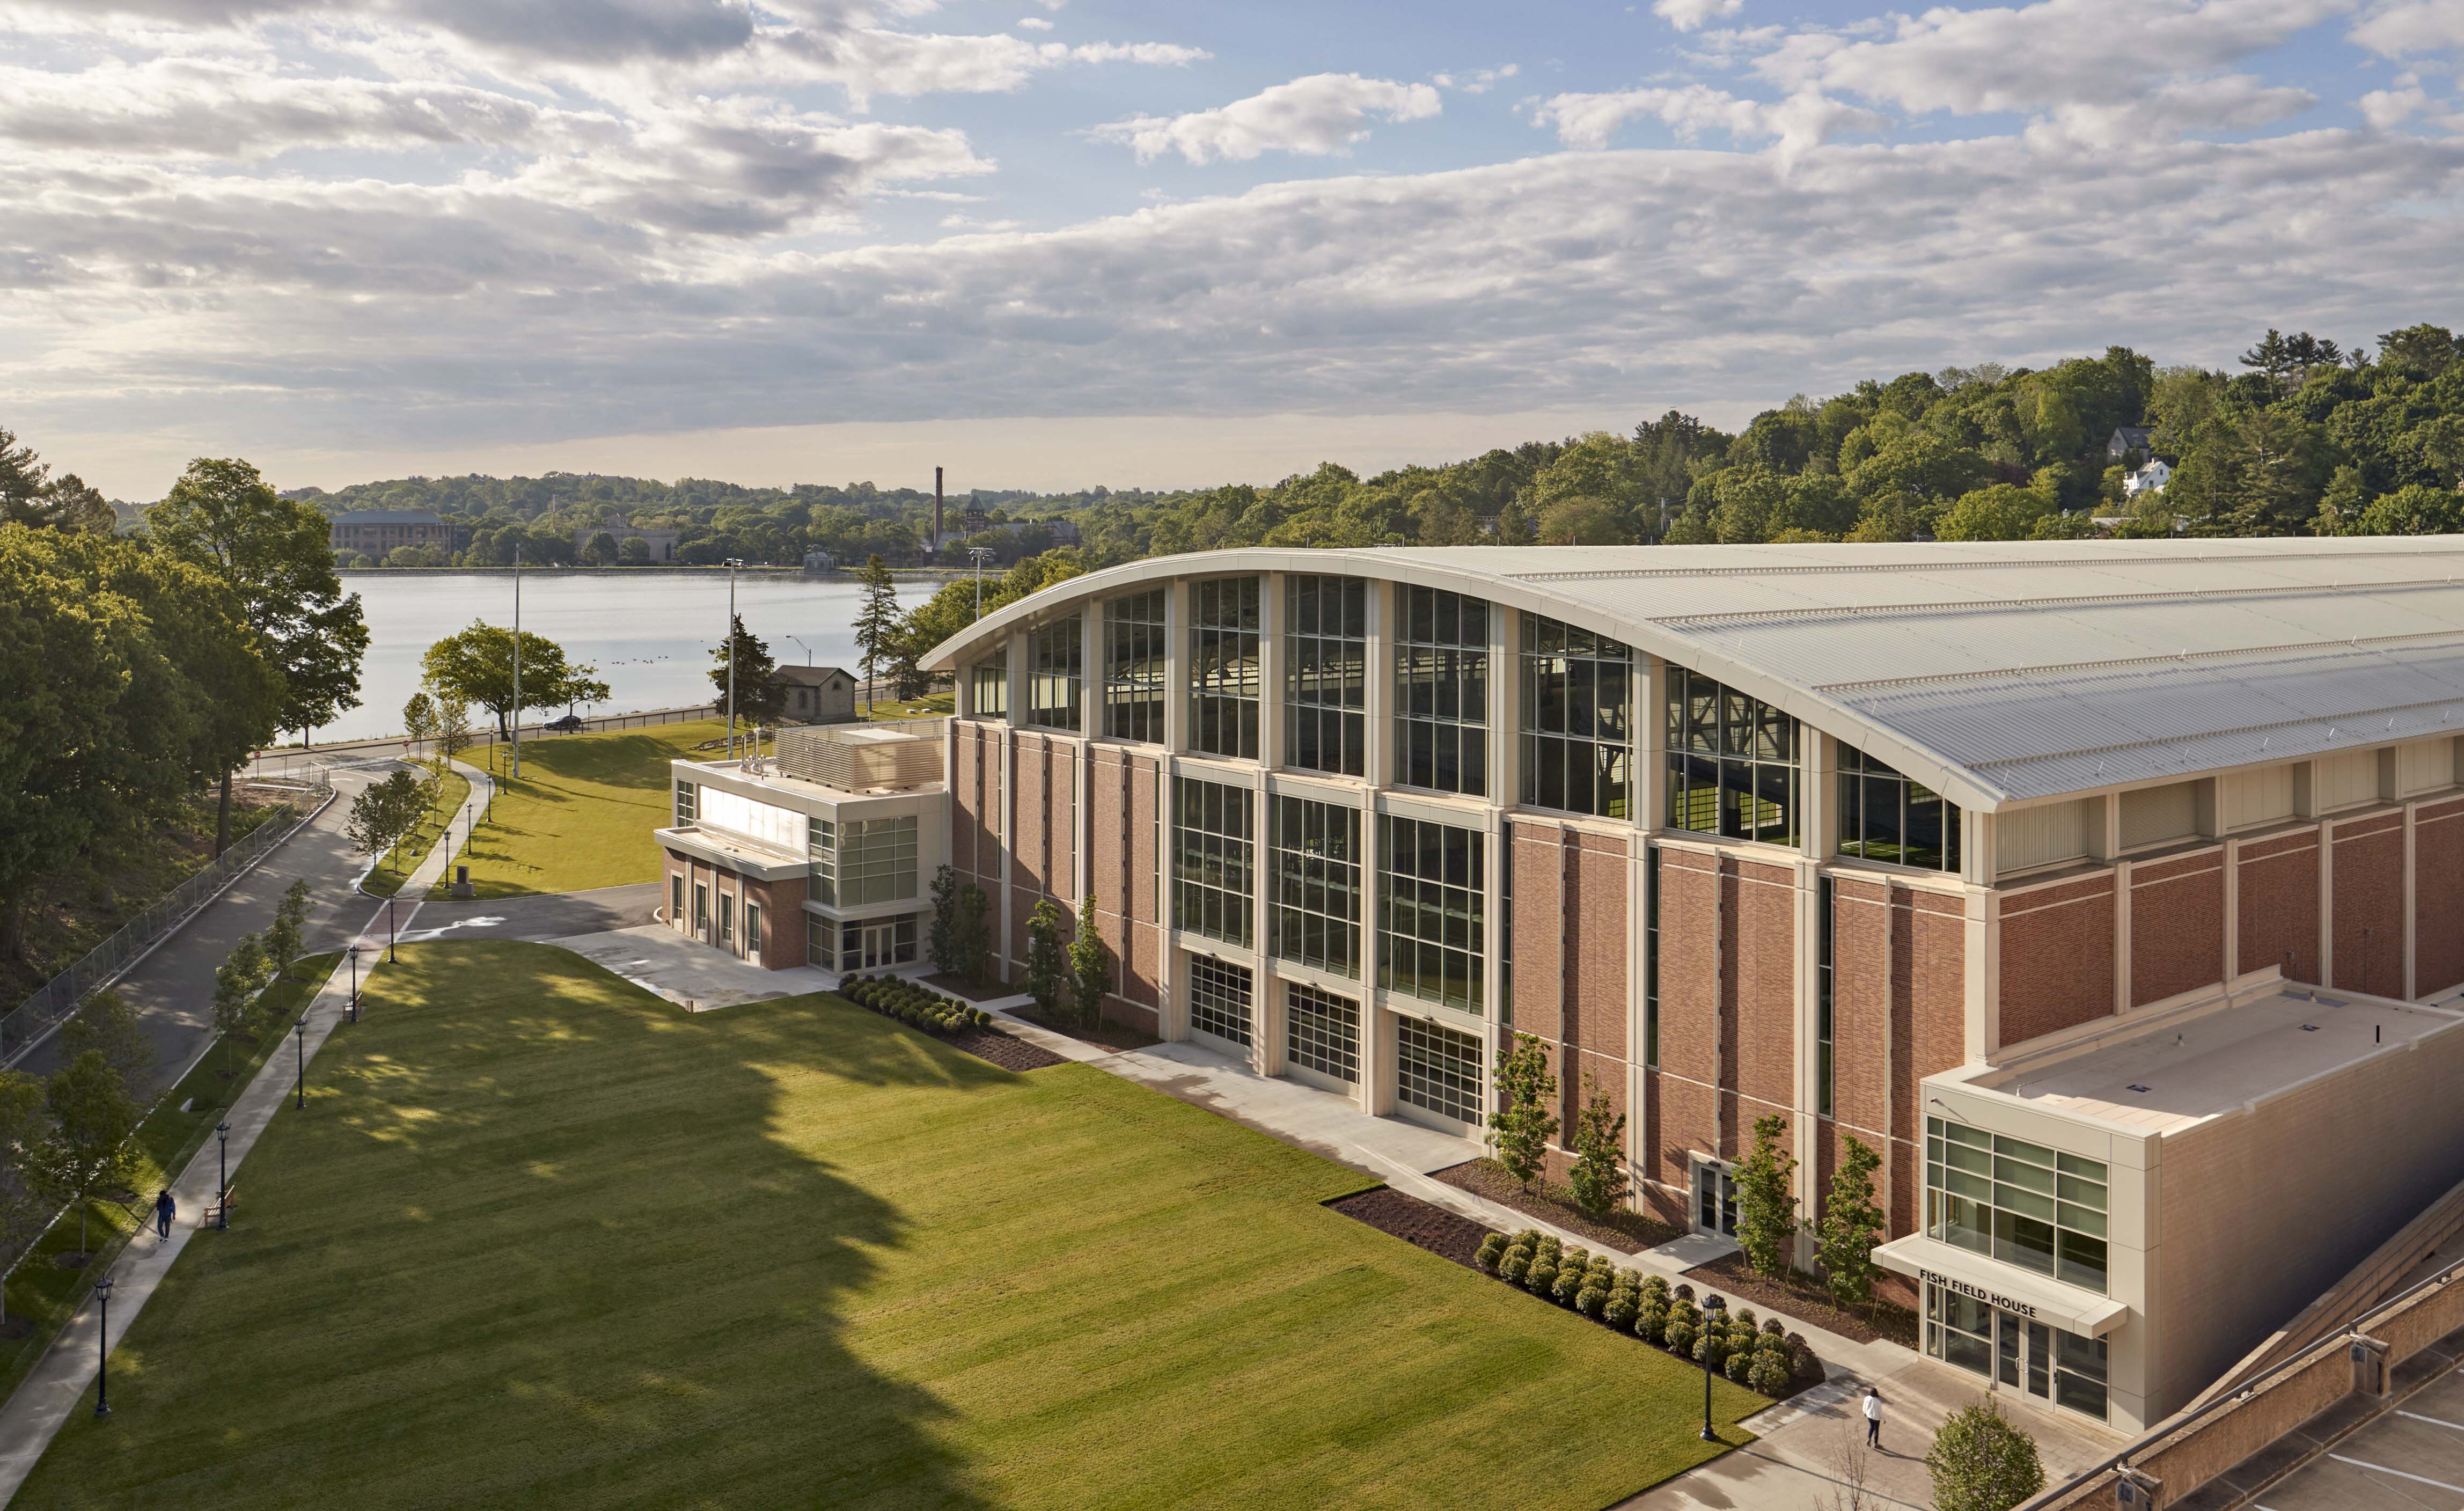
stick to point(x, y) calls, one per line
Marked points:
point(1998, 673)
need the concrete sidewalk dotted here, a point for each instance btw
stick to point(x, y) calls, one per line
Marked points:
point(57, 1383)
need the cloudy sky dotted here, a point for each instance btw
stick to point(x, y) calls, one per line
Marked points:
point(1052, 243)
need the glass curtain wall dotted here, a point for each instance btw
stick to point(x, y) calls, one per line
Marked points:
point(1134, 663)
point(1219, 998)
point(1441, 692)
point(1431, 902)
point(1577, 698)
point(1438, 1069)
point(1326, 675)
point(1732, 762)
point(876, 861)
point(1055, 674)
point(2017, 1201)
point(1885, 816)
point(1322, 1030)
point(1212, 854)
point(1223, 668)
point(990, 681)
point(1316, 891)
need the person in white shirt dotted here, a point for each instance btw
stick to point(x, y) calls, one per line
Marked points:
point(1873, 1417)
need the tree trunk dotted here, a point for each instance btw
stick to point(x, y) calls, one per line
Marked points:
point(222, 818)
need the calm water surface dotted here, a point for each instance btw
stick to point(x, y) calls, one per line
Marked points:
point(649, 634)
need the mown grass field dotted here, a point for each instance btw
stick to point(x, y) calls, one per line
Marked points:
point(581, 814)
point(544, 1240)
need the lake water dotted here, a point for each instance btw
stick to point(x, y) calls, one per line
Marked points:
point(650, 634)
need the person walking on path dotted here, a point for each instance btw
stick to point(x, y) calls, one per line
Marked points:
point(165, 1210)
point(1873, 1417)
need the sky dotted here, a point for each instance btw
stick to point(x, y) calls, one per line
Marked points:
point(1055, 243)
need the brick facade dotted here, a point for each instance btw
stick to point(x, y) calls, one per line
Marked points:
point(2058, 950)
point(2177, 926)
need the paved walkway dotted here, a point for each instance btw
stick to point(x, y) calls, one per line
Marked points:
point(57, 1383)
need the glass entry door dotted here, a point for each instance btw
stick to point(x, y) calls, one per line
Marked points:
point(880, 944)
point(1715, 1200)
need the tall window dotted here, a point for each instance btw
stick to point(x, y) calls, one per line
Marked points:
point(1133, 667)
point(1651, 960)
point(1316, 856)
point(1441, 692)
point(1884, 816)
point(1505, 936)
point(822, 845)
point(1322, 1030)
point(1219, 998)
point(1430, 910)
point(685, 794)
point(2019, 1202)
point(1211, 860)
point(1578, 720)
point(1731, 762)
point(876, 861)
point(1439, 1069)
point(1824, 901)
point(1326, 676)
point(1053, 673)
point(1223, 666)
point(990, 682)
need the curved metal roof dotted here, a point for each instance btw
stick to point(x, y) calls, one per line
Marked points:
point(1998, 673)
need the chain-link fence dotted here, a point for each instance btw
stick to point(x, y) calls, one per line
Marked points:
point(58, 997)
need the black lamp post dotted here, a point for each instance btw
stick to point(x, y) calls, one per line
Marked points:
point(390, 956)
point(102, 1350)
point(1715, 1311)
point(299, 1038)
point(222, 1177)
point(355, 983)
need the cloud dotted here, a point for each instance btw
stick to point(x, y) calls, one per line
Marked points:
point(1801, 121)
point(1480, 83)
point(1034, 23)
point(2236, 102)
point(1689, 15)
point(2384, 108)
point(1315, 116)
point(2412, 25)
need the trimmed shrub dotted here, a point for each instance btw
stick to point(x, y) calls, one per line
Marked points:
point(1738, 1365)
point(1514, 1266)
point(1743, 1322)
point(1618, 1312)
point(1650, 1320)
point(1655, 1287)
point(1542, 1280)
point(1678, 1336)
point(1711, 1349)
point(1491, 1250)
point(1590, 1299)
point(1769, 1375)
point(1771, 1327)
point(1804, 1367)
point(1684, 1292)
point(1572, 1282)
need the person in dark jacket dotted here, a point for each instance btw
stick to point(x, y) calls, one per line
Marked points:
point(165, 1210)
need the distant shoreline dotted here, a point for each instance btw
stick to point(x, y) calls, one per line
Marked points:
point(650, 571)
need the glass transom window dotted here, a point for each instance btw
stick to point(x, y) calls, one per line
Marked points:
point(1732, 762)
point(2018, 1202)
point(1438, 1069)
point(1326, 675)
point(1578, 720)
point(1223, 666)
point(1431, 910)
point(1212, 854)
point(1316, 892)
point(1884, 816)
point(1441, 692)
point(1219, 998)
point(1134, 662)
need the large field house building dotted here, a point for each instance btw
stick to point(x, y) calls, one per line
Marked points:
point(2111, 890)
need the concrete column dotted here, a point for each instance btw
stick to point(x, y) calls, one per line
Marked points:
point(1091, 723)
point(2411, 814)
point(1651, 743)
point(1804, 1120)
point(1172, 1006)
point(2326, 903)
point(1376, 1089)
point(1983, 965)
point(1271, 670)
point(2232, 911)
point(1378, 719)
point(1638, 1081)
point(1376, 1059)
point(2120, 937)
point(1504, 706)
point(1177, 666)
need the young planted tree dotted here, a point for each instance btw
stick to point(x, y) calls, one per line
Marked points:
point(1766, 1203)
point(87, 1151)
point(236, 982)
point(1047, 957)
point(1981, 1462)
point(1599, 1152)
point(419, 720)
point(286, 937)
point(1852, 1225)
point(879, 626)
point(384, 813)
point(452, 726)
point(1090, 965)
point(109, 1025)
point(22, 1125)
point(941, 939)
point(974, 947)
point(1521, 1125)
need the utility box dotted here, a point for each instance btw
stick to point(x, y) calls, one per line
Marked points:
point(461, 880)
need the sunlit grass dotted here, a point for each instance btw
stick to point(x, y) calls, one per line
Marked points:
point(581, 814)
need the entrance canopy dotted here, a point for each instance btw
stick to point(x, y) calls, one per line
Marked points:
point(2039, 1298)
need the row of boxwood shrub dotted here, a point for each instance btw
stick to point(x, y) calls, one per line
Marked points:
point(896, 997)
point(1766, 1357)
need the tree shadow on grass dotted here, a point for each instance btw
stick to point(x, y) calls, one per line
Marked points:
point(538, 1240)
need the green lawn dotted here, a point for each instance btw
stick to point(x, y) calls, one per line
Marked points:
point(888, 710)
point(544, 1240)
point(581, 812)
point(446, 809)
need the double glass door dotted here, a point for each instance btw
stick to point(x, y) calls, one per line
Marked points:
point(878, 945)
point(1715, 1200)
point(2017, 1352)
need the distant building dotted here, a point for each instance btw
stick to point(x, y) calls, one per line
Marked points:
point(817, 562)
point(818, 694)
point(975, 521)
point(2128, 441)
point(376, 532)
point(2148, 479)
point(662, 542)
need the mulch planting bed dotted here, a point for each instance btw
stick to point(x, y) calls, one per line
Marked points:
point(1002, 1049)
point(960, 987)
point(1416, 1222)
point(1629, 1231)
point(1106, 1035)
point(1803, 1297)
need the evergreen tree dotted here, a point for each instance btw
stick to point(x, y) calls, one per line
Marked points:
point(1766, 1203)
point(1047, 957)
point(879, 626)
point(760, 697)
point(1090, 965)
point(1851, 1226)
point(941, 940)
point(975, 940)
point(1521, 1125)
point(1599, 1152)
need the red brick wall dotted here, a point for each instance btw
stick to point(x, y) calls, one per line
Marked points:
point(974, 800)
point(2438, 897)
point(1687, 1105)
point(1539, 951)
point(1569, 953)
point(1929, 1017)
point(1124, 871)
point(2177, 926)
point(1762, 954)
point(1044, 812)
point(1861, 1008)
point(2056, 957)
point(2278, 909)
point(2369, 937)
point(1595, 948)
point(782, 920)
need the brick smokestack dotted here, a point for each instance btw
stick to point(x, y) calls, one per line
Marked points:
point(936, 510)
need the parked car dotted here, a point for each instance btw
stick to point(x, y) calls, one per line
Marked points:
point(570, 724)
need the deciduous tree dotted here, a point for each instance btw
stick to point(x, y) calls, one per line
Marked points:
point(23, 1124)
point(476, 666)
point(1047, 957)
point(1980, 1461)
point(384, 813)
point(87, 1151)
point(109, 1025)
point(1090, 965)
point(1851, 1226)
point(1598, 1175)
point(1767, 1198)
point(1521, 1123)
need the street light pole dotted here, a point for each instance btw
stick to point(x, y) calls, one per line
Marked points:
point(981, 555)
point(299, 1037)
point(222, 1177)
point(517, 660)
point(102, 1350)
point(390, 956)
point(733, 562)
point(1715, 1310)
point(355, 983)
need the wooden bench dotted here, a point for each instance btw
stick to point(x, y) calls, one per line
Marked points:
point(216, 1214)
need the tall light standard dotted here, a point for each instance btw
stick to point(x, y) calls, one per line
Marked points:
point(222, 1177)
point(102, 1350)
point(798, 639)
point(299, 1037)
point(518, 657)
point(981, 555)
point(390, 956)
point(733, 562)
point(1715, 1311)
point(355, 983)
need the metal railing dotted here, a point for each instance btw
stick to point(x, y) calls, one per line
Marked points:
point(57, 998)
point(353, 754)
